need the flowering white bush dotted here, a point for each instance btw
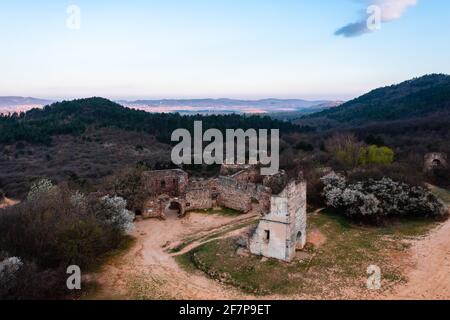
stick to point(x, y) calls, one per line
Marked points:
point(8, 274)
point(113, 211)
point(40, 188)
point(79, 200)
point(380, 198)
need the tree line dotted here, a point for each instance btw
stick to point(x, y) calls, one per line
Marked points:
point(74, 117)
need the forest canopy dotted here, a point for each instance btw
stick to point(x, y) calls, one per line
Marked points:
point(74, 117)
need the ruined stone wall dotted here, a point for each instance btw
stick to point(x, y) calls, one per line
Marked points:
point(435, 160)
point(227, 170)
point(234, 192)
point(153, 208)
point(170, 182)
point(198, 200)
point(249, 175)
point(242, 196)
point(296, 195)
point(199, 195)
point(157, 207)
point(283, 230)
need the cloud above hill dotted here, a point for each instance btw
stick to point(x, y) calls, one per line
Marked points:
point(389, 10)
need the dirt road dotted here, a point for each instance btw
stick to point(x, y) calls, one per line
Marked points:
point(7, 203)
point(148, 271)
point(429, 270)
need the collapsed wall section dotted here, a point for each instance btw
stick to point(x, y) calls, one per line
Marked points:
point(170, 182)
point(200, 195)
point(242, 196)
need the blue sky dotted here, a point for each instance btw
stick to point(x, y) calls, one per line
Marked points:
point(211, 48)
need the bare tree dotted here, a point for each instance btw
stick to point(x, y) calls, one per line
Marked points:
point(345, 149)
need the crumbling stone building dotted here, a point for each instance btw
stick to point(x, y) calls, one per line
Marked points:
point(170, 182)
point(435, 160)
point(167, 188)
point(283, 230)
point(280, 202)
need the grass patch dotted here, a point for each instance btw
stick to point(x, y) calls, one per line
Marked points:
point(211, 236)
point(226, 212)
point(443, 194)
point(339, 264)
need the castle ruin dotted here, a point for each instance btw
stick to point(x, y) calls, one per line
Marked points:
point(283, 230)
point(435, 160)
point(280, 202)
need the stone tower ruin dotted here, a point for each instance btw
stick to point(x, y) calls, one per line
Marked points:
point(283, 230)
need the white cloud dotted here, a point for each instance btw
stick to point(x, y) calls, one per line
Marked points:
point(390, 10)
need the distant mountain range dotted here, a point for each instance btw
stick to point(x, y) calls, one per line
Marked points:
point(17, 101)
point(11, 104)
point(191, 106)
point(229, 105)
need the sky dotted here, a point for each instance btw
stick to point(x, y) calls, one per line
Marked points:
point(247, 49)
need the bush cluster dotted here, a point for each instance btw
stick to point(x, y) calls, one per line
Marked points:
point(51, 230)
point(375, 200)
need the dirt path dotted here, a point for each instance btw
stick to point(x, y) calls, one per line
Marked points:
point(148, 271)
point(429, 270)
point(7, 203)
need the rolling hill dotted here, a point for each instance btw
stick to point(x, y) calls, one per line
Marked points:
point(419, 98)
point(74, 117)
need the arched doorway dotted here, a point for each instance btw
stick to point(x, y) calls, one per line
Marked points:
point(173, 210)
point(436, 163)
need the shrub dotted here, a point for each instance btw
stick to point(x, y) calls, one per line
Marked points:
point(399, 171)
point(113, 212)
point(305, 146)
point(56, 229)
point(377, 199)
point(39, 189)
point(374, 140)
point(130, 185)
point(345, 149)
point(376, 155)
point(9, 269)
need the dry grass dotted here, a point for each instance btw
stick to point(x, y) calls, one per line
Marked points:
point(337, 267)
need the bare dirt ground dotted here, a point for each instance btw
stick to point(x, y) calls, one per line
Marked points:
point(7, 203)
point(428, 270)
point(149, 271)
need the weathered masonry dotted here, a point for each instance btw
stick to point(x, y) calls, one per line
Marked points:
point(435, 160)
point(282, 231)
point(280, 203)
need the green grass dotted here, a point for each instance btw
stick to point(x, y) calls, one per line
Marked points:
point(443, 194)
point(340, 263)
point(223, 212)
point(211, 236)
